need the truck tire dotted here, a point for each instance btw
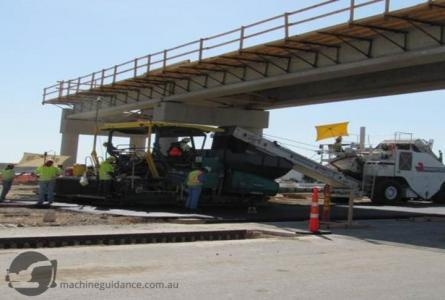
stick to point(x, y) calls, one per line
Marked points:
point(439, 197)
point(387, 192)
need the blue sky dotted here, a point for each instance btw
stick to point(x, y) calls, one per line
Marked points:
point(48, 40)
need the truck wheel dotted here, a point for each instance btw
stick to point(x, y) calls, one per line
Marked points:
point(387, 192)
point(439, 197)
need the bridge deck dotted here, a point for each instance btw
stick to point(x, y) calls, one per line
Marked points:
point(193, 66)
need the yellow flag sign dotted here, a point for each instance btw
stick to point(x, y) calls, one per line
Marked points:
point(332, 130)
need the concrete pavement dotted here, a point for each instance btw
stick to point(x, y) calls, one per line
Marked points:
point(383, 260)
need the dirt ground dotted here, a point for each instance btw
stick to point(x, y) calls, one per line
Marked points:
point(32, 217)
point(28, 216)
point(24, 216)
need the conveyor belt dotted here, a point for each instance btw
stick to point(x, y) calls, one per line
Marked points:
point(301, 163)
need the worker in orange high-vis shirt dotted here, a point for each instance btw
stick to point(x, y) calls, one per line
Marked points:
point(194, 182)
point(47, 180)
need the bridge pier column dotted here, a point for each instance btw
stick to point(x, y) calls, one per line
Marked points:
point(70, 130)
point(69, 146)
point(165, 143)
point(138, 142)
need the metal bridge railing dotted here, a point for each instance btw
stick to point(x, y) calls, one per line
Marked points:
point(275, 28)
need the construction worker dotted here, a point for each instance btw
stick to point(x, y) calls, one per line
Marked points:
point(194, 183)
point(7, 175)
point(175, 150)
point(106, 173)
point(47, 180)
point(338, 147)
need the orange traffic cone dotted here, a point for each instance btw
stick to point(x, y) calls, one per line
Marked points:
point(314, 223)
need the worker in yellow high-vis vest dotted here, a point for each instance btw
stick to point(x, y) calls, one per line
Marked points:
point(106, 173)
point(47, 180)
point(7, 175)
point(338, 146)
point(194, 182)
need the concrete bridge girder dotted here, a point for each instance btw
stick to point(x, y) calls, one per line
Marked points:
point(380, 83)
point(244, 85)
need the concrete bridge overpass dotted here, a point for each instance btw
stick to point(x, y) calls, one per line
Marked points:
point(230, 79)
